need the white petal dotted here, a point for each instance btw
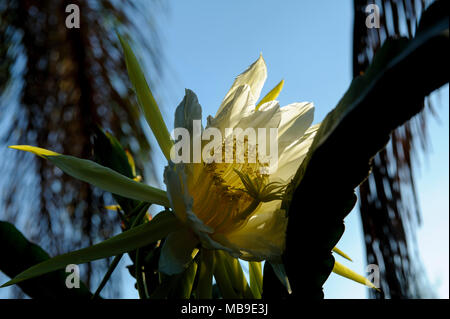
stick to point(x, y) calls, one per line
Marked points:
point(238, 104)
point(293, 155)
point(176, 253)
point(287, 171)
point(264, 235)
point(267, 116)
point(296, 118)
point(254, 76)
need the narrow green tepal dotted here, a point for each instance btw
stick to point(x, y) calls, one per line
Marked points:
point(234, 273)
point(184, 287)
point(100, 176)
point(137, 237)
point(280, 272)
point(223, 279)
point(147, 101)
point(205, 278)
point(256, 278)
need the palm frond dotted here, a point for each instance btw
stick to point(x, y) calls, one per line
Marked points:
point(388, 200)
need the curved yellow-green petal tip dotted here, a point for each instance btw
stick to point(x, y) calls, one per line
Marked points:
point(272, 95)
point(112, 207)
point(42, 152)
point(343, 271)
point(341, 253)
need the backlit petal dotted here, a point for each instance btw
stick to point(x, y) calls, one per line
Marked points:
point(263, 237)
point(296, 118)
point(237, 105)
point(293, 155)
point(254, 77)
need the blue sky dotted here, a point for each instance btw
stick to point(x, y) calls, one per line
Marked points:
point(308, 44)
